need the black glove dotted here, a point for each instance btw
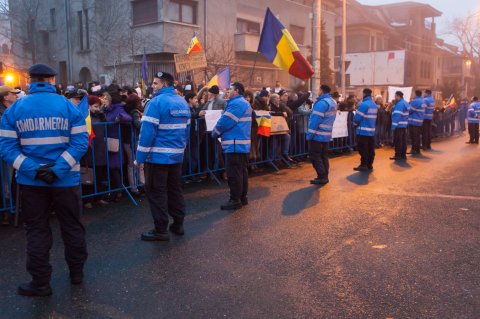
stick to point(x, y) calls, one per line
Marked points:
point(46, 174)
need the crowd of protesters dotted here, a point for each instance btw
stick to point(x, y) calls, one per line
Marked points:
point(107, 168)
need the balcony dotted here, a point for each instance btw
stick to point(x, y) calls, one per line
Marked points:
point(246, 42)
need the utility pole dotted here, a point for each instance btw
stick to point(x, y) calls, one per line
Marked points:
point(317, 38)
point(344, 50)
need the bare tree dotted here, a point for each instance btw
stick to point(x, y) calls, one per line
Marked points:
point(467, 31)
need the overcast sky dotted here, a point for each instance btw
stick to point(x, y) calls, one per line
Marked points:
point(450, 9)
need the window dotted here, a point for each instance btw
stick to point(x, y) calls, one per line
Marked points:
point(298, 33)
point(338, 45)
point(5, 49)
point(245, 26)
point(87, 30)
point(80, 28)
point(183, 11)
point(53, 19)
point(144, 11)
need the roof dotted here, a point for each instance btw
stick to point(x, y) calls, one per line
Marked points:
point(387, 16)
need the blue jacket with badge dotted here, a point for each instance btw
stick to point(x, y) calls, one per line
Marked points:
point(320, 124)
point(429, 107)
point(416, 111)
point(474, 113)
point(44, 128)
point(235, 125)
point(400, 115)
point(366, 117)
point(165, 129)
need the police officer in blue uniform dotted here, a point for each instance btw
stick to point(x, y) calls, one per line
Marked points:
point(43, 136)
point(319, 134)
point(473, 119)
point(163, 138)
point(399, 127)
point(415, 121)
point(234, 129)
point(365, 120)
point(427, 121)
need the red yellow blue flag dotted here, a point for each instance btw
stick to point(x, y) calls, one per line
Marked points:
point(221, 79)
point(278, 46)
point(195, 45)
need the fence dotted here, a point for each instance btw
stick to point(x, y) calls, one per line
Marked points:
point(103, 172)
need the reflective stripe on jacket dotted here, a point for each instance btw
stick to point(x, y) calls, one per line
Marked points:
point(234, 126)
point(416, 111)
point(165, 129)
point(400, 115)
point(320, 124)
point(366, 117)
point(44, 128)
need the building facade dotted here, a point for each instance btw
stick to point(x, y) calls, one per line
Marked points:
point(104, 40)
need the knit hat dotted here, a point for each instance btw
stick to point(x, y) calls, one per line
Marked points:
point(214, 89)
point(264, 92)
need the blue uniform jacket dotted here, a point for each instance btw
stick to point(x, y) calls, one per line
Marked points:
point(165, 129)
point(400, 115)
point(321, 120)
point(235, 126)
point(416, 111)
point(44, 128)
point(366, 117)
point(430, 107)
point(474, 113)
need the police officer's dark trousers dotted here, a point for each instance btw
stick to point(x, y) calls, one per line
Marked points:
point(473, 132)
point(427, 134)
point(414, 132)
point(37, 203)
point(366, 148)
point(163, 187)
point(237, 174)
point(318, 153)
point(400, 142)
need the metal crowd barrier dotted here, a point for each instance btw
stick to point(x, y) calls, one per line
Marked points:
point(203, 156)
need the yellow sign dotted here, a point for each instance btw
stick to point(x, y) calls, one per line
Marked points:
point(188, 62)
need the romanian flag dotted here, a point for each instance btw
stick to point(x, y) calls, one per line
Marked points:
point(144, 74)
point(83, 106)
point(278, 46)
point(451, 101)
point(221, 79)
point(195, 45)
point(264, 121)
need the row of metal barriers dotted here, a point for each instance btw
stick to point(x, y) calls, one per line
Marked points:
point(108, 168)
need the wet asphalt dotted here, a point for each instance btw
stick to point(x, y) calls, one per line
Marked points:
point(400, 242)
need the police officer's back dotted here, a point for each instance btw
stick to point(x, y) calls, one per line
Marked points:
point(44, 136)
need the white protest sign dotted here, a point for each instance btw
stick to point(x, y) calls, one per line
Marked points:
point(407, 92)
point(340, 127)
point(211, 118)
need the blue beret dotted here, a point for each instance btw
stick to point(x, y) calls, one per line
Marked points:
point(41, 70)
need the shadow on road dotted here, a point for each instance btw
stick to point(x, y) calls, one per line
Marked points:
point(297, 201)
point(360, 178)
point(400, 165)
point(434, 151)
point(420, 157)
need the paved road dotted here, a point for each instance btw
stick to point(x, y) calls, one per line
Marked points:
point(401, 242)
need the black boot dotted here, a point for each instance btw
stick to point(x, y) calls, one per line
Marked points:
point(177, 229)
point(319, 181)
point(153, 235)
point(360, 168)
point(32, 290)
point(76, 277)
point(231, 205)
